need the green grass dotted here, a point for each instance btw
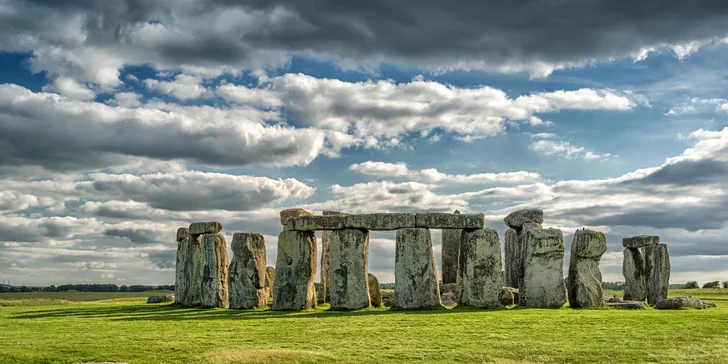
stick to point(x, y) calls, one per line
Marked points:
point(132, 331)
point(16, 299)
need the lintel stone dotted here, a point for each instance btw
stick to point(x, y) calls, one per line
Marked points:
point(441, 220)
point(640, 241)
point(386, 221)
point(199, 228)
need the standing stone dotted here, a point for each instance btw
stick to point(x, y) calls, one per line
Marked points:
point(246, 275)
point(349, 267)
point(633, 269)
point(214, 280)
point(270, 276)
point(543, 269)
point(585, 278)
point(415, 274)
point(181, 280)
point(293, 288)
point(193, 271)
point(480, 269)
point(450, 253)
point(375, 294)
point(513, 260)
point(507, 297)
point(657, 272)
point(324, 293)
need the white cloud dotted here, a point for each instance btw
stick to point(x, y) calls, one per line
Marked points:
point(184, 87)
point(565, 149)
point(432, 175)
point(70, 89)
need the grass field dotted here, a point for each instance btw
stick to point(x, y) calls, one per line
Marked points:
point(127, 329)
point(40, 298)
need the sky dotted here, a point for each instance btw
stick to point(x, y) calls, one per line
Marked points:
point(121, 121)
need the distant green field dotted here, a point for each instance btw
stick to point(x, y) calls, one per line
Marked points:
point(7, 299)
point(129, 330)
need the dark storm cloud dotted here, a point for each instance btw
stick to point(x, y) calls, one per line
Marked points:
point(137, 236)
point(691, 217)
point(502, 34)
point(686, 173)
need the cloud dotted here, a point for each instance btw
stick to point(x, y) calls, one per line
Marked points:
point(431, 175)
point(184, 87)
point(93, 41)
point(42, 129)
point(70, 89)
point(566, 150)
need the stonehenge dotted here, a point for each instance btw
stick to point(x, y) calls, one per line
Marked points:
point(585, 278)
point(247, 272)
point(473, 274)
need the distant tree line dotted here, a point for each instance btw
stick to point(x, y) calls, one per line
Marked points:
point(88, 288)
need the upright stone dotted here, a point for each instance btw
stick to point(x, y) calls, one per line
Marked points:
point(214, 280)
point(450, 252)
point(415, 273)
point(585, 278)
point(193, 271)
point(543, 269)
point(349, 267)
point(657, 272)
point(246, 275)
point(513, 260)
point(293, 288)
point(182, 280)
point(480, 269)
point(375, 294)
point(633, 269)
point(324, 293)
point(270, 276)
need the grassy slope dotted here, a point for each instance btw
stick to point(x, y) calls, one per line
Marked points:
point(77, 296)
point(129, 330)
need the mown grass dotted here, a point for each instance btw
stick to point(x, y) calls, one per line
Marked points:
point(78, 296)
point(132, 331)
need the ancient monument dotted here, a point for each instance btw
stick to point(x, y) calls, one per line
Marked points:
point(480, 269)
point(543, 269)
point(451, 241)
point(585, 278)
point(247, 272)
point(646, 269)
point(518, 222)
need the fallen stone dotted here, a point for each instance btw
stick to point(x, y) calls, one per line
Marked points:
point(630, 305)
point(516, 219)
point(293, 288)
point(214, 272)
point(381, 221)
point(181, 279)
point(160, 299)
point(289, 214)
point(657, 272)
point(613, 300)
point(480, 269)
point(190, 293)
point(633, 270)
point(440, 220)
point(449, 287)
point(270, 277)
point(513, 258)
point(449, 299)
point(415, 273)
point(543, 272)
point(508, 296)
point(375, 294)
point(450, 250)
point(246, 275)
point(677, 303)
point(199, 228)
point(349, 268)
point(387, 297)
point(640, 241)
point(585, 278)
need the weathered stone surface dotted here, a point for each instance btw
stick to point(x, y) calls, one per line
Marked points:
point(311, 223)
point(513, 258)
point(585, 278)
point(288, 214)
point(449, 299)
point(449, 287)
point(633, 269)
point(388, 297)
point(182, 234)
point(181, 279)
point(381, 221)
point(543, 269)
point(293, 288)
point(214, 275)
point(199, 228)
point(682, 302)
point(629, 305)
point(349, 268)
point(516, 219)
point(246, 275)
point(657, 272)
point(160, 299)
point(507, 296)
point(480, 269)
point(640, 241)
point(375, 294)
point(270, 277)
point(441, 220)
point(323, 294)
point(190, 292)
point(451, 239)
point(415, 273)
